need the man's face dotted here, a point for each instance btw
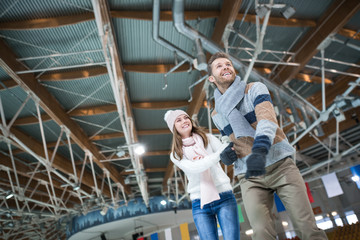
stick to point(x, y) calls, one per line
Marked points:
point(223, 74)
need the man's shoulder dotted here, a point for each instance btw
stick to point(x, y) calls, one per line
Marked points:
point(255, 86)
point(213, 113)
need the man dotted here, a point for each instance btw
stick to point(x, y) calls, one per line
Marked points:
point(260, 152)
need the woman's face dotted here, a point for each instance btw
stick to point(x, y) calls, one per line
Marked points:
point(183, 126)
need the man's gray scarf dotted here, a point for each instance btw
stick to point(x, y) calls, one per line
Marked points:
point(226, 105)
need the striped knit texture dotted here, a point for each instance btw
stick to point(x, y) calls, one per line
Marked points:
point(257, 108)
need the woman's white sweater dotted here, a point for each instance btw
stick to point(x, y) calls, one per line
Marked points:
point(193, 168)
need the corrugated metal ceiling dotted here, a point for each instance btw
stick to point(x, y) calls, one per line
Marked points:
point(87, 98)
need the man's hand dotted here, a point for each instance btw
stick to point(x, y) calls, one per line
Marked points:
point(228, 155)
point(256, 163)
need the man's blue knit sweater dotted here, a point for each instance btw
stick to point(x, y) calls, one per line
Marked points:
point(259, 127)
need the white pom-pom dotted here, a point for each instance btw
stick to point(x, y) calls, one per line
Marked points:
point(167, 115)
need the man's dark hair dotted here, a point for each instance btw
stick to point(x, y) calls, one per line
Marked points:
point(214, 57)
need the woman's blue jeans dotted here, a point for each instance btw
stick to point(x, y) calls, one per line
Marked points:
point(224, 210)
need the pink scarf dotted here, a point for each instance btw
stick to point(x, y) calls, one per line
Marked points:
point(193, 149)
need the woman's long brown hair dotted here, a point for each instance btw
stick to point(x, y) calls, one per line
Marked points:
point(177, 143)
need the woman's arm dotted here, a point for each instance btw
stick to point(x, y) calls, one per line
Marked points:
point(214, 142)
point(200, 165)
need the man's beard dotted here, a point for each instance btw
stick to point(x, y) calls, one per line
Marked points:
point(225, 82)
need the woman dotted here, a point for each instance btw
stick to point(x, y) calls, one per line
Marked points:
point(197, 154)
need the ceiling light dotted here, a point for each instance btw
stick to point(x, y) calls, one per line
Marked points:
point(127, 180)
point(334, 213)
point(163, 202)
point(10, 195)
point(288, 12)
point(261, 11)
point(278, 5)
point(139, 149)
point(355, 178)
point(285, 224)
point(355, 103)
point(249, 232)
point(120, 153)
point(339, 115)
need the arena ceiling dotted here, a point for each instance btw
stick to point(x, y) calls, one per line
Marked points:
point(83, 83)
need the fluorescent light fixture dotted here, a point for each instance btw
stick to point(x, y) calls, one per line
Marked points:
point(10, 195)
point(317, 218)
point(139, 149)
point(355, 178)
point(249, 232)
point(334, 213)
point(355, 103)
point(285, 224)
point(163, 202)
point(278, 5)
point(288, 12)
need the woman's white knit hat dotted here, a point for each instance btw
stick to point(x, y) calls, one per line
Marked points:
point(170, 117)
